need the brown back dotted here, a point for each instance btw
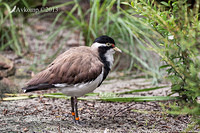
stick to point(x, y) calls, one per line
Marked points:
point(77, 65)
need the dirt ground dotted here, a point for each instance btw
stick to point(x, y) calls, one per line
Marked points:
point(51, 115)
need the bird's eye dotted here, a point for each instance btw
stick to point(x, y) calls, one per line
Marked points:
point(108, 44)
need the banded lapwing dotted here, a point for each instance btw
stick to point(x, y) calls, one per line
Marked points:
point(77, 71)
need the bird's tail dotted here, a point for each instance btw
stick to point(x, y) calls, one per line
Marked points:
point(37, 87)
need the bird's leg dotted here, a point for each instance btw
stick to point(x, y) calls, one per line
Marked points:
point(76, 110)
point(72, 105)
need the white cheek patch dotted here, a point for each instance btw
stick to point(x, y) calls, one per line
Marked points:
point(109, 57)
point(96, 45)
point(108, 54)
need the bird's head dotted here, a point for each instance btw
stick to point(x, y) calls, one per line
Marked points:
point(105, 44)
point(106, 48)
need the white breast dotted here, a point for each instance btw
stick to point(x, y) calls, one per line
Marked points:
point(81, 88)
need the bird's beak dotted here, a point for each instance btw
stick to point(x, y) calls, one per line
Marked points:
point(117, 49)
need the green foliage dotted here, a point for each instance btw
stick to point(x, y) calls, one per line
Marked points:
point(177, 44)
point(111, 97)
point(9, 35)
point(143, 90)
point(137, 99)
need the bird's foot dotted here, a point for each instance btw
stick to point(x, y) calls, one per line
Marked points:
point(79, 123)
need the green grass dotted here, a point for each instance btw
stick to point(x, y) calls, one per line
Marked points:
point(112, 97)
point(143, 90)
point(9, 35)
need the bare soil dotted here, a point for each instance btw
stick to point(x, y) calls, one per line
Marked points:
point(51, 115)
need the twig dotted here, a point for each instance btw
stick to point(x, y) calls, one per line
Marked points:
point(122, 110)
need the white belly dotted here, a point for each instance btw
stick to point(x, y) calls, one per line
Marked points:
point(81, 88)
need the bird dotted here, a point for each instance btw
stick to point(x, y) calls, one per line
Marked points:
point(77, 71)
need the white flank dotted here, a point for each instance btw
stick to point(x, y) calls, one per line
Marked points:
point(60, 85)
point(82, 88)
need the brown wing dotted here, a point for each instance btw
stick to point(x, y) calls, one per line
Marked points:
point(77, 65)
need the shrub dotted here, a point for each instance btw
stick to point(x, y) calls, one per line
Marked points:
point(178, 45)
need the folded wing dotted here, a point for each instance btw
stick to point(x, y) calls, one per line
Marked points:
point(72, 67)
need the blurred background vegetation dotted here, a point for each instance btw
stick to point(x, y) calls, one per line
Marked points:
point(159, 38)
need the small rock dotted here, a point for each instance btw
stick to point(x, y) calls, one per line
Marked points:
point(25, 129)
point(162, 122)
point(6, 67)
point(7, 86)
